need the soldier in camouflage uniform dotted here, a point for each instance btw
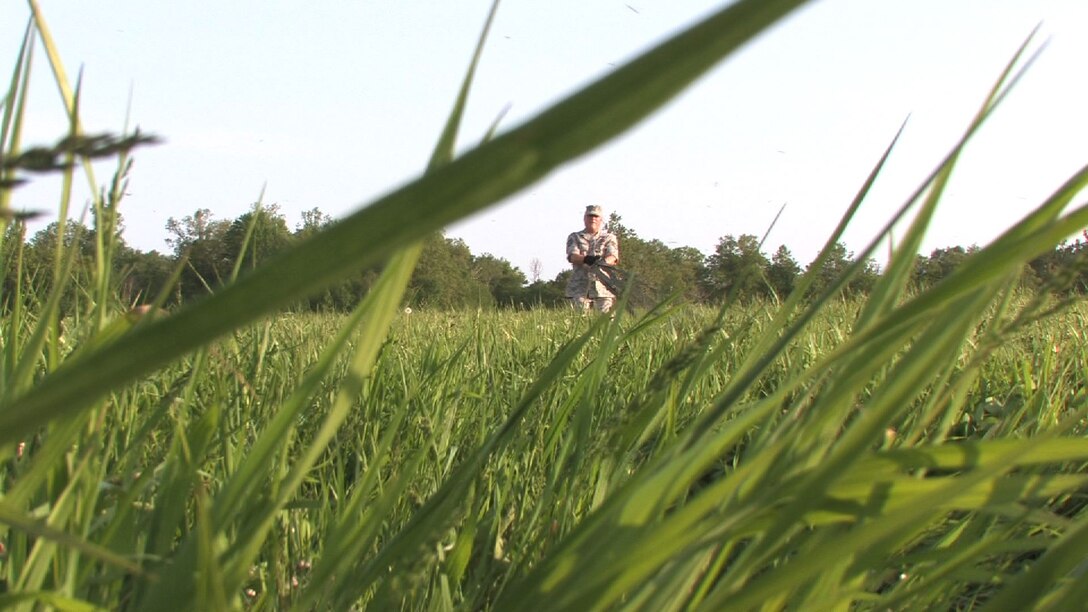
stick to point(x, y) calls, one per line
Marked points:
point(585, 249)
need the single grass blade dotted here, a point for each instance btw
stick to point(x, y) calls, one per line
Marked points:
point(240, 256)
point(11, 129)
point(49, 599)
point(60, 77)
point(851, 502)
point(970, 454)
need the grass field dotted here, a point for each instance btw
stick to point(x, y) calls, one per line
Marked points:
point(485, 453)
point(912, 450)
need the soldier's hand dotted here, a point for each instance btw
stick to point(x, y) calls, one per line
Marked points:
point(589, 260)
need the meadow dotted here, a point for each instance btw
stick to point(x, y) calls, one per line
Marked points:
point(480, 449)
point(909, 450)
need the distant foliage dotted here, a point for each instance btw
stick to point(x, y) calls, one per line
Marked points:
point(736, 270)
point(198, 240)
point(657, 271)
point(256, 236)
point(1063, 271)
point(449, 276)
point(928, 271)
point(782, 272)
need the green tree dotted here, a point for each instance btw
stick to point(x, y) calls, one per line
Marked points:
point(938, 265)
point(838, 260)
point(199, 237)
point(736, 269)
point(656, 270)
point(268, 235)
point(142, 276)
point(76, 235)
point(550, 294)
point(1062, 271)
point(687, 266)
point(313, 221)
point(864, 281)
point(40, 258)
point(443, 277)
point(345, 295)
point(505, 282)
point(782, 272)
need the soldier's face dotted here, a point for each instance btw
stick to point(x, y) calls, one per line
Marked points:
point(593, 223)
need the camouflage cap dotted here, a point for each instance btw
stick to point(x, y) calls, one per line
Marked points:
point(594, 211)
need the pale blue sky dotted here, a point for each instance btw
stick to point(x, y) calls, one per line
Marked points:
point(333, 103)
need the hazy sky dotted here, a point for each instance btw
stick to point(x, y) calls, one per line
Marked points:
point(333, 103)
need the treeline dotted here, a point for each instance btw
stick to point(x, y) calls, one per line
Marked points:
point(206, 252)
point(740, 270)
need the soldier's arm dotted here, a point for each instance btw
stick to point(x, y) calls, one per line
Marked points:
point(574, 252)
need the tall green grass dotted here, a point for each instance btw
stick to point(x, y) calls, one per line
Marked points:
point(907, 451)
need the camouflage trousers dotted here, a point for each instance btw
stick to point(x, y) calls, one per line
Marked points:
point(600, 304)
